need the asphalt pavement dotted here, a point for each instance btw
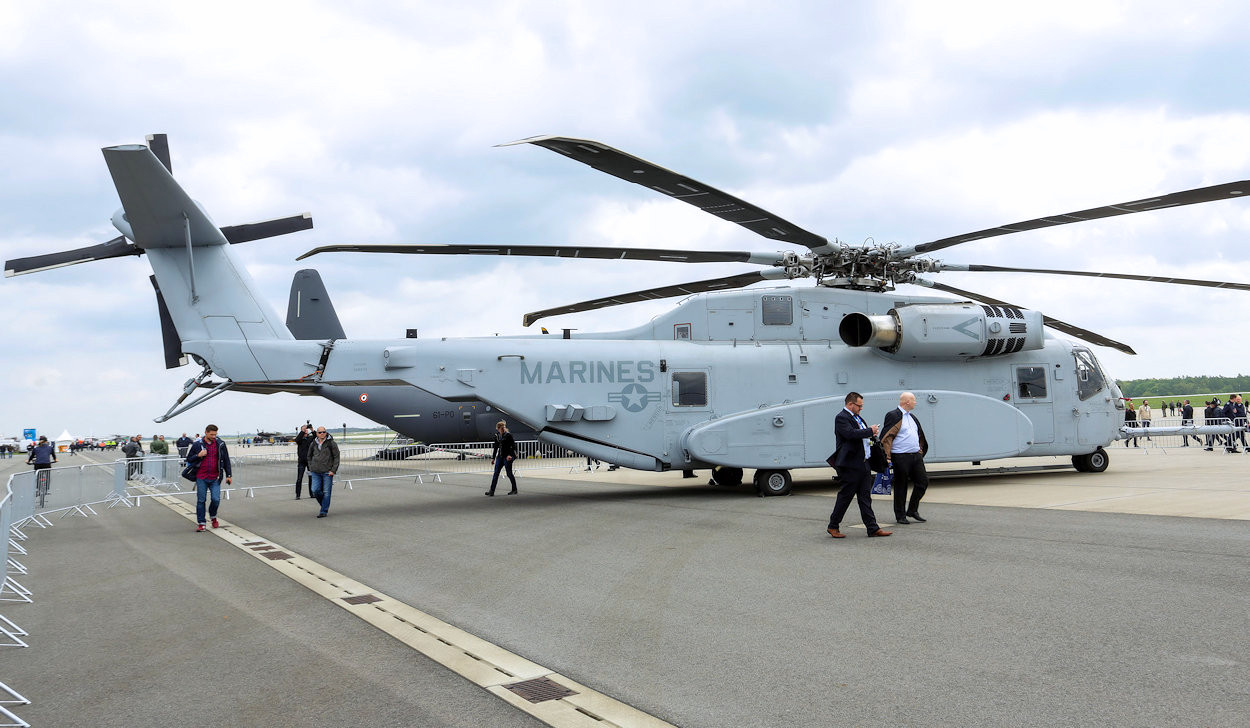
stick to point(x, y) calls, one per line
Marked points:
point(699, 606)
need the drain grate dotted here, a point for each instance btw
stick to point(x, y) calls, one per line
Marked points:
point(362, 599)
point(540, 689)
point(276, 555)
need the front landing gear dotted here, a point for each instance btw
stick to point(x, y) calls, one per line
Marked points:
point(772, 482)
point(1095, 462)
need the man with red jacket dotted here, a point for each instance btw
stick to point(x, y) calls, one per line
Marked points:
point(211, 460)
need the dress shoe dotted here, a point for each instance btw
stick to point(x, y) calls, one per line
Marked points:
point(836, 533)
point(879, 532)
point(902, 520)
point(916, 517)
point(512, 492)
point(489, 493)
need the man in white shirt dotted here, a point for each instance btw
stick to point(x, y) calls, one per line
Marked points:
point(904, 443)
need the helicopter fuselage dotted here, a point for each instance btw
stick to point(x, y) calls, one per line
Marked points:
point(754, 378)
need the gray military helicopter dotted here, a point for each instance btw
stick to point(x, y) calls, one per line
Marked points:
point(413, 413)
point(730, 378)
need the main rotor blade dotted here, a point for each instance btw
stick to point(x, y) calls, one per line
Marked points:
point(651, 294)
point(1091, 274)
point(566, 251)
point(1176, 199)
point(679, 187)
point(267, 228)
point(118, 247)
point(1054, 323)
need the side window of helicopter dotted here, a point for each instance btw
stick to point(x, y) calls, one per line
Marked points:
point(777, 310)
point(1032, 382)
point(690, 389)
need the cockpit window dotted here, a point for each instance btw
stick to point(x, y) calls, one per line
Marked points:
point(1089, 379)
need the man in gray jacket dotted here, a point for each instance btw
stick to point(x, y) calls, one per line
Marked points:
point(323, 463)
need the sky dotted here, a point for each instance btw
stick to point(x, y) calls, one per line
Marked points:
point(861, 121)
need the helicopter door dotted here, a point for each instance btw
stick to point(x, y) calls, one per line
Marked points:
point(1033, 398)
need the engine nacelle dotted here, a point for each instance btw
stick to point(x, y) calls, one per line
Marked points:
point(946, 331)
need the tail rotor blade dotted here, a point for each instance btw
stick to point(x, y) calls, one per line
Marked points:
point(116, 248)
point(268, 228)
point(159, 144)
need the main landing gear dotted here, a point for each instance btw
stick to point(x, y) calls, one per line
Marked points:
point(772, 482)
point(1095, 462)
point(767, 482)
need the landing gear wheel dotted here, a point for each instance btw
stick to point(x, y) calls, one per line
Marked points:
point(1095, 462)
point(726, 477)
point(772, 482)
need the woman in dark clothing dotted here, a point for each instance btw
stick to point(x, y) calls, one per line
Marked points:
point(503, 453)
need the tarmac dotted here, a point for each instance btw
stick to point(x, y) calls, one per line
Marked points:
point(1035, 597)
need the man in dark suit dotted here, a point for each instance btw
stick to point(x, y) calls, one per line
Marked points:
point(904, 443)
point(850, 459)
point(1187, 420)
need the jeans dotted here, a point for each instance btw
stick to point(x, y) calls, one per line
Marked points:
point(299, 478)
point(322, 486)
point(202, 488)
point(502, 463)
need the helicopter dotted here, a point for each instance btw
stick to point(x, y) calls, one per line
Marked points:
point(731, 378)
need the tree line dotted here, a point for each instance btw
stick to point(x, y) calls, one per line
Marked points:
point(1221, 386)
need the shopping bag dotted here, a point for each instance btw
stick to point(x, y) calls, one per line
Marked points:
point(883, 484)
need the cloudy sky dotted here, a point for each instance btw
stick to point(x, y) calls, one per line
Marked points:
point(890, 121)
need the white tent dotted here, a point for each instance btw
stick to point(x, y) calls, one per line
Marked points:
point(65, 438)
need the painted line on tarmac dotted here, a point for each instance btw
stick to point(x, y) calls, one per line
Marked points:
point(486, 665)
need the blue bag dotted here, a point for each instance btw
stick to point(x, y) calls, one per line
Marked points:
point(883, 484)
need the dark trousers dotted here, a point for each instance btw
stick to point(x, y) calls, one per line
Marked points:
point(856, 484)
point(299, 478)
point(504, 463)
point(908, 468)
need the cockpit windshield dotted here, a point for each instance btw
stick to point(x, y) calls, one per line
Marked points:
point(1089, 378)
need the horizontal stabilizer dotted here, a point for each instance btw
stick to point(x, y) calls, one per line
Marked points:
point(116, 248)
point(267, 229)
point(158, 211)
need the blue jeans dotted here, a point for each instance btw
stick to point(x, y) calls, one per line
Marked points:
point(202, 488)
point(502, 463)
point(322, 486)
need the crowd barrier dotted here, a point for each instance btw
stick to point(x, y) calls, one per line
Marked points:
point(1168, 432)
point(252, 472)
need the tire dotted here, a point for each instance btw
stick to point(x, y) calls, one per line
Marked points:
point(1095, 462)
point(1098, 460)
point(772, 482)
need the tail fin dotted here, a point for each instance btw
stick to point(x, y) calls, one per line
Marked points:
point(309, 313)
point(208, 303)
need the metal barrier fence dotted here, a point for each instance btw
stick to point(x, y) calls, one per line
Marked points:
point(253, 472)
point(1218, 434)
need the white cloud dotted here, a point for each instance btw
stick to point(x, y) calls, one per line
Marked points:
point(897, 122)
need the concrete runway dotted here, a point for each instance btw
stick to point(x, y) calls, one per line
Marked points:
point(1042, 598)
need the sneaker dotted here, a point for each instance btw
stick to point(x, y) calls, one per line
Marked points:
point(321, 515)
point(199, 528)
point(216, 524)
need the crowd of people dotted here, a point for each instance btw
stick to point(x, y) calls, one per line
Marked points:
point(1214, 413)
